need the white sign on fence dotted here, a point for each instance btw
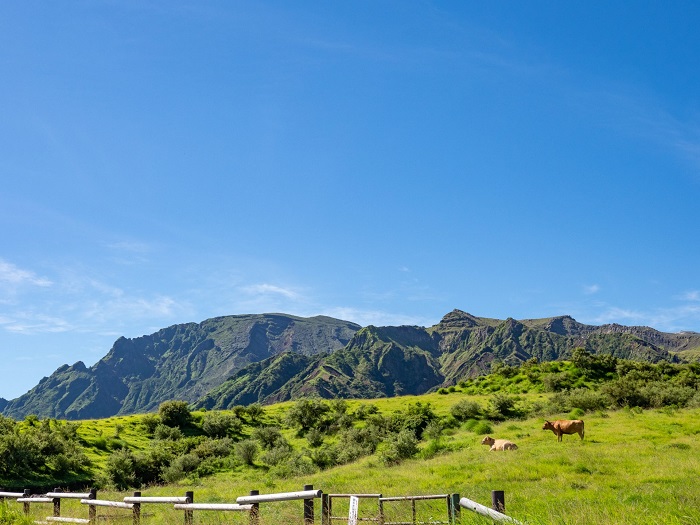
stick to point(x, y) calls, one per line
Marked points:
point(354, 504)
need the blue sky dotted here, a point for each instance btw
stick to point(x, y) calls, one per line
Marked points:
point(382, 162)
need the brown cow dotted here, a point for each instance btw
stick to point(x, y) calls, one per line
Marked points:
point(564, 426)
point(499, 444)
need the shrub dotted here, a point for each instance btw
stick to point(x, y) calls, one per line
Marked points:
point(659, 394)
point(465, 409)
point(120, 469)
point(246, 451)
point(582, 398)
point(324, 457)
point(175, 413)
point(481, 428)
point(556, 382)
point(295, 465)
point(501, 406)
point(218, 448)
point(306, 414)
point(150, 422)
point(277, 454)
point(164, 432)
point(400, 446)
point(219, 425)
point(314, 437)
point(255, 412)
point(576, 413)
point(267, 436)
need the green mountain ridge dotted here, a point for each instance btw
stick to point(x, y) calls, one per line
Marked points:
point(267, 358)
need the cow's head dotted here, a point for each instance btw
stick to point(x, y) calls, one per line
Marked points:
point(547, 425)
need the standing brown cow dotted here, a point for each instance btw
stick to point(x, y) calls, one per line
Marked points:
point(564, 426)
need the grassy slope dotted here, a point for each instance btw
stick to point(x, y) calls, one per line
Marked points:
point(633, 467)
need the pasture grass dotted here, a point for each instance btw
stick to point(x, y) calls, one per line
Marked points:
point(633, 467)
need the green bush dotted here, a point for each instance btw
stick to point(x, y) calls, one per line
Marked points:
point(246, 451)
point(120, 470)
point(465, 409)
point(501, 406)
point(482, 428)
point(164, 432)
point(175, 413)
point(268, 437)
point(219, 425)
point(398, 447)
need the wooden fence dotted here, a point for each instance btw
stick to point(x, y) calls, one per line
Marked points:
point(251, 504)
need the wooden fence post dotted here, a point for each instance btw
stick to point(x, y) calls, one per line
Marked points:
point(57, 504)
point(498, 501)
point(189, 515)
point(325, 509)
point(381, 510)
point(27, 494)
point(92, 510)
point(308, 507)
point(136, 509)
point(254, 510)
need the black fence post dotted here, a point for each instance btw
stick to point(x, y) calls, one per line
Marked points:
point(136, 509)
point(325, 509)
point(381, 510)
point(57, 504)
point(498, 501)
point(254, 517)
point(308, 507)
point(189, 515)
point(453, 502)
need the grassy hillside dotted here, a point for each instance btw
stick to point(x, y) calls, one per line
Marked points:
point(636, 465)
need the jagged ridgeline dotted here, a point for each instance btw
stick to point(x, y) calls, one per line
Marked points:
point(266, 358)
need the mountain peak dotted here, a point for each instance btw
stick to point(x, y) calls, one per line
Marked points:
point(459, 318)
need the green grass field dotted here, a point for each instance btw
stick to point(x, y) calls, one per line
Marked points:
point(634, 467)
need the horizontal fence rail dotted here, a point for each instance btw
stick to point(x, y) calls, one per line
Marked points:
point(372, 513)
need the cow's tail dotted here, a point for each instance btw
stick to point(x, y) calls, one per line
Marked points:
point(583, 429)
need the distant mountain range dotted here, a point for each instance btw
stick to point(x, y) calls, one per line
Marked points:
point(265, 358)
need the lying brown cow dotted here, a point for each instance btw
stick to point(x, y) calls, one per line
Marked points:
point(564, 426)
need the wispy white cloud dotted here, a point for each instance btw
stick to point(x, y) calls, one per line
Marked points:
point(9, 273)
point(32, 322)
point(673, 319)
point(692, 295)
point(375, 317)
point(591, 289)
point(271, 289)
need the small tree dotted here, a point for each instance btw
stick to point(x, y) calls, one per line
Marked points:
point(121, 469)
point(247, 451)
point(306, 414)
point(175, 413)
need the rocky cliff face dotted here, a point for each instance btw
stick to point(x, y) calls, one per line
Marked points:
point(266, 358)
point(179, 362)
point(389, 361)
